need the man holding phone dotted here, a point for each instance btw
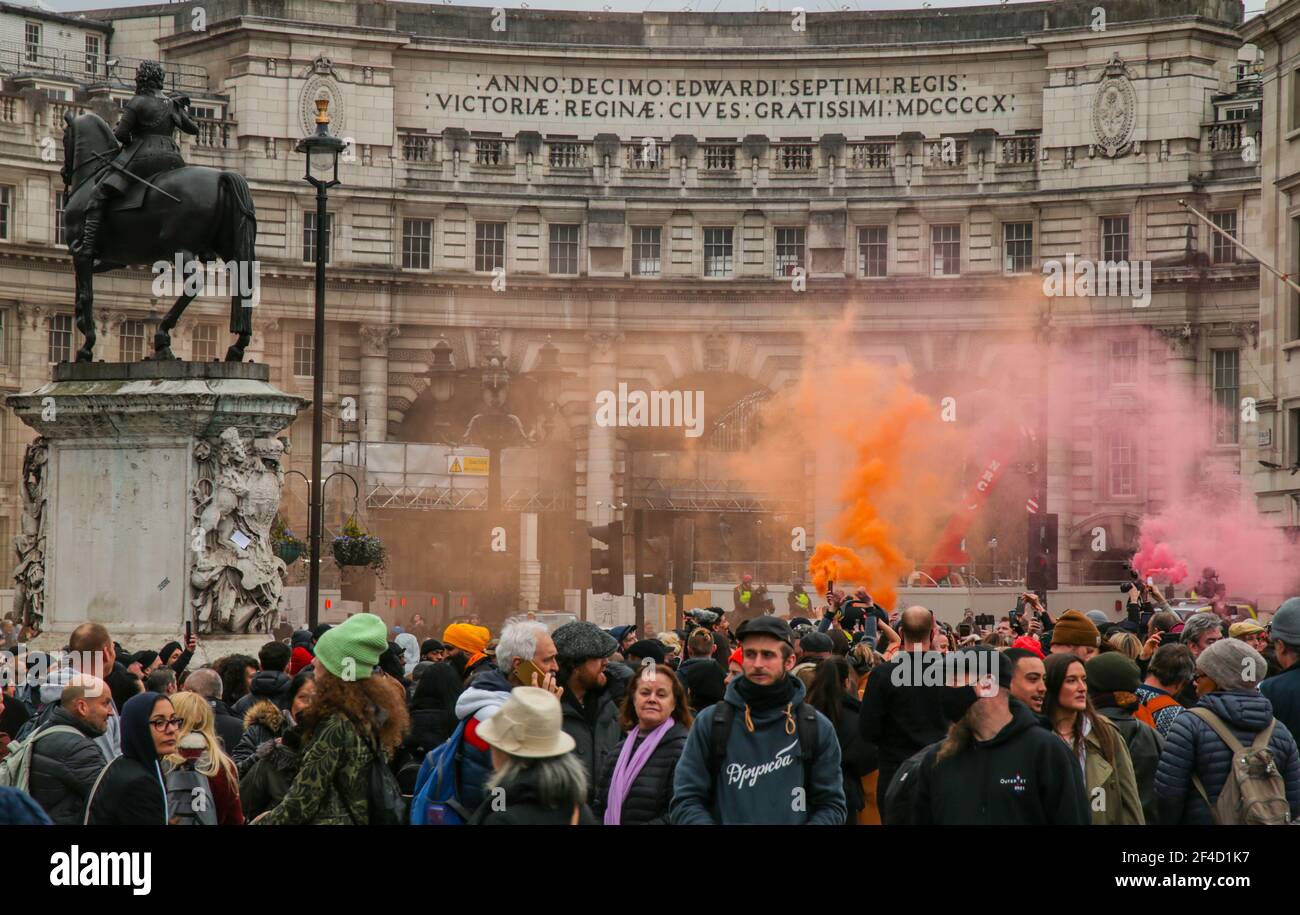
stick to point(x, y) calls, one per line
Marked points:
point(526, 656)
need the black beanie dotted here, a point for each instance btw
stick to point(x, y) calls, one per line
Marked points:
point(647, 648)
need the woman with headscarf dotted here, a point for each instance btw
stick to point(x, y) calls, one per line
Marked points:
point(130, 790)
point(410, 646)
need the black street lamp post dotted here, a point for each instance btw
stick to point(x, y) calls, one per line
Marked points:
point(322, 173)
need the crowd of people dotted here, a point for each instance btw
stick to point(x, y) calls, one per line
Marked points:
point(860, 716)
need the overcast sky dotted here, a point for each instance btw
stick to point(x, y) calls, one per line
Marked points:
point(630, 6)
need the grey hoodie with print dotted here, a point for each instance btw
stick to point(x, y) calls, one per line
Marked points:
point(762, 779)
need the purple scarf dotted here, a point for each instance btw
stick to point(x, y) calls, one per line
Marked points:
point(628, 767)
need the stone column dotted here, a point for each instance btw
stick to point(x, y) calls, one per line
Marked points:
point(374, 380)
point(530, 568)
point(603, 358)
point(1056, 404)
point(1180, 373)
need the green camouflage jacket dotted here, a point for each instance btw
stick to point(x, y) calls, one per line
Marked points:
point(331, 786)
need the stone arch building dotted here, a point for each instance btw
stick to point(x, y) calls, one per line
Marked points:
point(644, 192)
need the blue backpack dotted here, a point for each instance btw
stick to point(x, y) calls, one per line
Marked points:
point(437, 787)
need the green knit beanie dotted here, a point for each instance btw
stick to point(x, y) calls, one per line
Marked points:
point(351, 650)
point(1112, 672)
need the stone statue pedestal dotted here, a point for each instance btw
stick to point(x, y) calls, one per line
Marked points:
point(148, 499)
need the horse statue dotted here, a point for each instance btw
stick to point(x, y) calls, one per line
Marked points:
point(192, 215)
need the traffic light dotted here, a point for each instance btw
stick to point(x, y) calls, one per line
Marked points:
point(652, 565)
point(607, 560)
point(1040, 573)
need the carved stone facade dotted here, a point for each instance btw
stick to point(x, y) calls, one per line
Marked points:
point(236, 578)
point(457, 217)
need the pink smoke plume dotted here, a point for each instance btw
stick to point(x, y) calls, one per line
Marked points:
point(1155, 558)
point(1196, 534)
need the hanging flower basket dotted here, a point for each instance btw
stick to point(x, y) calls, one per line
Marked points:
point(289, 551)
point(287, 546)
point(357, 548)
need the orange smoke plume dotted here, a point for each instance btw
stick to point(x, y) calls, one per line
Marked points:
point(891, 468)
point(880, 473)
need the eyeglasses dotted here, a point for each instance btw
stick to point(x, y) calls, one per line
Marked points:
point(162, 724)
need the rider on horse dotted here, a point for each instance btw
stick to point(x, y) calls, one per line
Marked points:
point(145, 130)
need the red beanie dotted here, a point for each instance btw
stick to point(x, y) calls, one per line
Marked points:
point(299, 659)
point(1029, 643)
point(736, 657)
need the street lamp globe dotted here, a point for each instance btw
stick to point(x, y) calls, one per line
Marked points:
point(322, 150)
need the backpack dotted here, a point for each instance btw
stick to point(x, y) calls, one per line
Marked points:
point(1254, 793)
point(189, 798)
point(805, 727)
point(383, 793)
point(16, 769)
point(437, 787)
point(1147, 710)
point(902, 786)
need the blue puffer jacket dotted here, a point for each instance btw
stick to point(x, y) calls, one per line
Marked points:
point(1193, 748)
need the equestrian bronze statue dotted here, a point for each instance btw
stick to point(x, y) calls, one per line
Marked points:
point(133, 201)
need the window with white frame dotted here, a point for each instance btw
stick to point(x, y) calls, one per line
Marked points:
point(92, 56)
point(1114, 238)
point(1227, 388)
point(309, 236)
point(60, 338)
point(718, 251)
point(564, 249)
point(417, 244)
point(873, 250)
point(130, 341)
point(645, 250)
point(945, 250)
point(1123, 361)
point(1222, 250)
point(789, 251)
point(60, 215)
point(203, 343)
point(1018, 247)
point(489, 246)
point(31, 42)
point(303, 352)
point(6, 210)
point(1121, 463)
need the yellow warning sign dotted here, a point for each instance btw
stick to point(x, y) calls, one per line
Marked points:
point(467, 464)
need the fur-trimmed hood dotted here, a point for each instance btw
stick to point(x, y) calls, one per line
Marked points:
point(266, 714)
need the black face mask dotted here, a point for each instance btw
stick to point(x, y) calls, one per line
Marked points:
point(957, 701)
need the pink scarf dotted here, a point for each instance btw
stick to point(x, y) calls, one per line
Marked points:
point(628, 767)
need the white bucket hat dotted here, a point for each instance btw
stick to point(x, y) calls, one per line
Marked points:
point(528, 725)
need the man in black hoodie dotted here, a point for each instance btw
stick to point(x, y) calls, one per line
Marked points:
point(998, 765)
point(271, 682)
point(901, 712)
